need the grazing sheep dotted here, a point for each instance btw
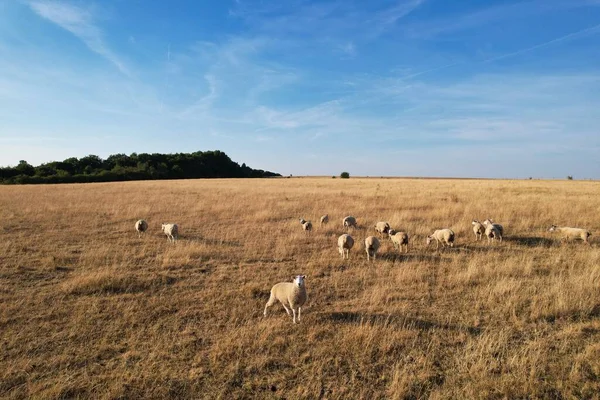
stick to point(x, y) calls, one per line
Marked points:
point(382, 227)
point(444, 236)
point(172, 231)
point(399, 239)
point(492, 232)
point(478, 229)
point(571, 233)
point(345, 243)
point(324, 219)
point(349, 221)
point(306, 225)
point(371, 246)
point(292, 294)
point(490, 222)
point(141, 226)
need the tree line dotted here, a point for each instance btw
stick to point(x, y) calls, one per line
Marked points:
point(121, 167)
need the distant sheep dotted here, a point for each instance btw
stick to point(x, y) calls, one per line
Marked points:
point(172, 231)
point(348, 222)
point(292, 294)
point(478, 229)
point(141, 226)
point(345, 243)
point(399, 239)
point(444, 236)
point(324, 219)
point(371, 246)
point(306, 225)
point(488, 222)
point(492, 232)
point(382, 227)
point(571, 233)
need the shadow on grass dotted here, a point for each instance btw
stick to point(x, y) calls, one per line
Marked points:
point(212, 242)
point(530, 241)
point(354, 318)
point(406, 257)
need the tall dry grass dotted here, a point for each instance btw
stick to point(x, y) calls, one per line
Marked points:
point(90, 310)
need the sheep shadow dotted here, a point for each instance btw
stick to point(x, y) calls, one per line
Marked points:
point(407, 257)
point(397, 321)
point(212, 242)
point(535, 241)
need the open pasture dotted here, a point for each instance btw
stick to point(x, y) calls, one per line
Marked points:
point(88, 309)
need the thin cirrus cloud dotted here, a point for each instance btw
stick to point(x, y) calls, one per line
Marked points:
point(80, 22)
point(330, 85)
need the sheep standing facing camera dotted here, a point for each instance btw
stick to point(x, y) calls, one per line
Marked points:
point(571, 233)
point(306, 225)
point(172, 232)
point(399, 239)
point(292, 294)
point(371, 247)
point(478, 229)
point(141, 226)
point(443, 236)
point(345, 243)
point(324, 219)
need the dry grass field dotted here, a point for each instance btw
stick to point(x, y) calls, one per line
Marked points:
point(88, 309)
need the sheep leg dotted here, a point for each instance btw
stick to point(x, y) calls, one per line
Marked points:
point(269, 304)
point(286, 309)
point(294, 311)
point(299, 312)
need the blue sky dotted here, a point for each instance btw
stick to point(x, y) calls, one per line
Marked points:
point(385, 87)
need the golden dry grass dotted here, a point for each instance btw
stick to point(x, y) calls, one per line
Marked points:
point(90, 310)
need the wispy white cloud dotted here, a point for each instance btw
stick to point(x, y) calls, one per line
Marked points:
point(80, 22)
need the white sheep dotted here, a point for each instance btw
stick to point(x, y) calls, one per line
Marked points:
point(292, 294)
point(345, 243)
point(492, 232)
point(399, 239)
point(490, 222)
point(382, 227)
point(371, 246)
point(478, 229)
point(306, 225)
point(444, 236)
point(324, 219)
point(571, 233)
point(141, 226)
point(172, 231)
point(349, 221)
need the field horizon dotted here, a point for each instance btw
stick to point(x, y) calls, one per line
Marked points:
point(91, 310)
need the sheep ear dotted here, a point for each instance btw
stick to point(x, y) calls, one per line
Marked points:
point(303, 276)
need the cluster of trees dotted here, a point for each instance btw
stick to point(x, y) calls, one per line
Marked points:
point(121, 167)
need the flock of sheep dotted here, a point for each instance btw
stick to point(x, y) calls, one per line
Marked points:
point(293, 294)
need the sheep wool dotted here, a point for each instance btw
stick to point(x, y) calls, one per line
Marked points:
point(443, 236)
point(349, 221)
point(492, 232)
point(306, 225)
point(371, 247)
point(172, 232)
point(289, 294)
point(478, 229)
point(141, 226)
point(382, 227)
point(345, 243)
point(572, 233)
point(399, 239)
